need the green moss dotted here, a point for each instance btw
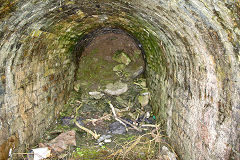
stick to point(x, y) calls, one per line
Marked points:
point(90, 153)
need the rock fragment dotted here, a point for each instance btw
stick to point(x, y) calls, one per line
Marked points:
point(138, 72)
point(116, 89)
point(119, 67)
point(96, 95)
point(144, 99)
point(121, 57)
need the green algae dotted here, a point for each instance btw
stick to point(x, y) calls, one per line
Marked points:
point(90, 153)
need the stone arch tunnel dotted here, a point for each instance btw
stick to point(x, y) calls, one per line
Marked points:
point(192, 66)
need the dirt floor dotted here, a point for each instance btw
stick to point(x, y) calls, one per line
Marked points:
point(109, 112)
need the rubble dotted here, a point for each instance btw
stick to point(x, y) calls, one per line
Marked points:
point(116, 89)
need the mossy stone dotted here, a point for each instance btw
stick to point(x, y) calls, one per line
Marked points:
point(119, 67)
point(121, 57)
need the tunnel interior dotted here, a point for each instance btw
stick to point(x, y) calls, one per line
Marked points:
point(190, 52)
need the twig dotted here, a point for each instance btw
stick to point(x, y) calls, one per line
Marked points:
point(115, 115)
point(93, 121)
point(122, 121)
point(149, 125)
point(23, 153)
point(115, 153)
point(133, 145)
point(138, 140)
point(130, 124)
point(95, 135)
point(78, 109)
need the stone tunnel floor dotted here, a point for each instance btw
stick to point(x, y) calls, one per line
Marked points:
point(108, 115)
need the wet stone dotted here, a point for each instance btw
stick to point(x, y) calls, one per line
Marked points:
point(117, 128)
point(103, 138)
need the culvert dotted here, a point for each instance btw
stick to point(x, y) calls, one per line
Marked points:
point(192, 67)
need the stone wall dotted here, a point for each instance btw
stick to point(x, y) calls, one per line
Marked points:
point(192, 54)
point(36, 76)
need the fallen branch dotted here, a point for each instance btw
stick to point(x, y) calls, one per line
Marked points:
point(115, 115)
point(95, 135)
point(81, 104)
